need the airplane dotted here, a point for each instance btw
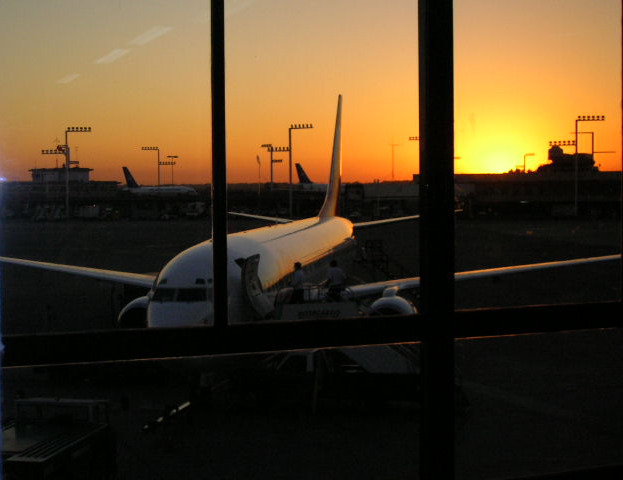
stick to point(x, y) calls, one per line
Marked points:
point(303, 177)
point(305, 182)
point(168, 190)
point(261, 262)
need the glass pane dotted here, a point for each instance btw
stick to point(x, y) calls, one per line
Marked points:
point(538, 404)
point(127, 84)
point(537, 83)
point(531, 78)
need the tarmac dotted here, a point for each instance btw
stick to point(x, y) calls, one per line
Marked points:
point(535, 404)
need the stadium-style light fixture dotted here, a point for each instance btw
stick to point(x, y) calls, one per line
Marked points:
point(581, 118)
point(271, 149)
point(66, 151)
point(59, 150)
point(561, 143)
point(157, 149)
point(172, 163)
point(78, 129)
point(298, 126)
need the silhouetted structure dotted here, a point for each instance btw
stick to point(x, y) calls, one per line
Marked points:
point(565, 162)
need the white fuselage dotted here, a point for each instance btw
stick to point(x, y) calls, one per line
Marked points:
point(183, 289)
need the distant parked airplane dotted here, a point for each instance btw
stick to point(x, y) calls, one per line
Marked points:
point(305, 182)
point(261, 262)
point(167, 190)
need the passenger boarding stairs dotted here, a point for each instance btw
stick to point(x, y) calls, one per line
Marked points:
point(383, 359)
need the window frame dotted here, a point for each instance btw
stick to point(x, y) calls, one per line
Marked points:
point(437, 327)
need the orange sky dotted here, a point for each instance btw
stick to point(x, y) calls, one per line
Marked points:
point(137, 72)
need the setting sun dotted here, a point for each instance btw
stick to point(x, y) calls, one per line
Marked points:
point(523, 72)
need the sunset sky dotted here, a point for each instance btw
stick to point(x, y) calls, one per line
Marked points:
point(138, 73)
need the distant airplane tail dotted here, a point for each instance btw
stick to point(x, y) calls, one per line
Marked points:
point(129, 179)
point(303, 178)
point(331, 200)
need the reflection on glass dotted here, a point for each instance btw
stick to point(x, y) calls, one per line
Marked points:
point(135, 77)
point(538, 174)
point(538, 150)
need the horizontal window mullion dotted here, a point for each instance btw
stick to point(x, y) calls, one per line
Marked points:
point(141, 344)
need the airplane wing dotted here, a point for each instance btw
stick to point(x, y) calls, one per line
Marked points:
point(136, 279)
point(261, 217)
point(373, 223)
point(367, 289)
point(356, 226)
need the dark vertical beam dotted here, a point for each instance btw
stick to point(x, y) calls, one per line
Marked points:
point(436, 92)
point(219, 164)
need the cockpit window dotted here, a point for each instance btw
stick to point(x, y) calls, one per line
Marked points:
point(164, 295)
point(191, 295)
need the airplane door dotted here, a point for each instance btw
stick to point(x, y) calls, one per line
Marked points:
point(252, 287)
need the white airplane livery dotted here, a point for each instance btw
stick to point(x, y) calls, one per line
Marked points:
point(261, 262)
point(166, 190)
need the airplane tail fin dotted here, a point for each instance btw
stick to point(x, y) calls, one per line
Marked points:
point(129, 179)
point(303, 178)
point(331, 200)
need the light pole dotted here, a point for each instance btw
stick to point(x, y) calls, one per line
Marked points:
point(157, 159)
point(68, 161)
point(393, 145)
point(271, 149)
point(259, 175)
point(524, 160)
point(170, 162)
point(298, 126)
point(415, 139)
point(592, 134)
point(59, 150)
point(581, 118)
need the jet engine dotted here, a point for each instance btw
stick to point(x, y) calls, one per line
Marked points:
point(392, 304)
point(134, 314)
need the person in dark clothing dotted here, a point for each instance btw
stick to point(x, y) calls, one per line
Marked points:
point(336, 281)
point(297, 284)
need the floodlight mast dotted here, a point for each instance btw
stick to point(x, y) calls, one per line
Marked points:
point(68, 162)
point(581, 118)
point(393, 145)
point(157, 159)
point(415, 138)
point(59, 150)
point(172, 163)
point(298, 126)
point(271, 149)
